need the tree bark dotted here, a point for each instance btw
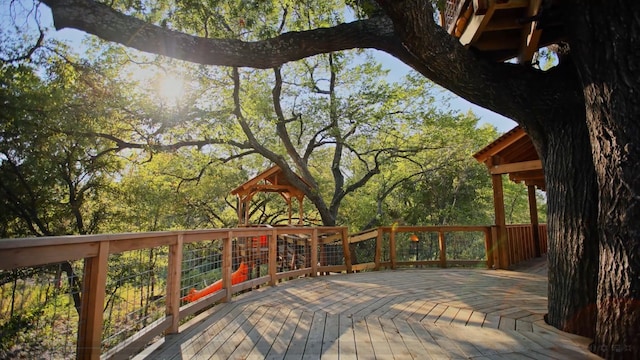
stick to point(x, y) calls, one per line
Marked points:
point(572, 225)
point(606, 41)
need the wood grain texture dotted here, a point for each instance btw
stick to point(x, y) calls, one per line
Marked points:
point(403, 314)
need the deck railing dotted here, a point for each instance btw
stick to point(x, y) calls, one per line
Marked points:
point(522, 244)
point(136, 287)
point(443, 246)
point(110, 295)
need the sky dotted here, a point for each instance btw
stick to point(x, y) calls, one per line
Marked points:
point(398, 69)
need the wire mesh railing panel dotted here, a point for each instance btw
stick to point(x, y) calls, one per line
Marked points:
point(417, 246)
point(293, 252)
point(201, 270)
point(40, 311)
point(465, 246)
point(135, 293)
point(331, 254)
point(363, 251)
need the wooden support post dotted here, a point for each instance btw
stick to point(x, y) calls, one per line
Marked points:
point(290, 210)
point(392, 248)
point(533, 212)
point(94, 284)
point(227, 264)
point(273, 257)
point(174, 274)
point(443, 249)
point(314, 252)
point(501, 244)
point(378, 254)
point(300, 210)
point(346, 249)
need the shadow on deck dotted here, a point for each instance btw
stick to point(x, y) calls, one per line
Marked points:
point(417, 313)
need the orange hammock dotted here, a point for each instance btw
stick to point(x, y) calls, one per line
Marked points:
point(237, 277)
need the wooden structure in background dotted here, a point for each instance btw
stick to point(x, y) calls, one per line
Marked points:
point(270, 180)
point(513, 153)
point(504, 29)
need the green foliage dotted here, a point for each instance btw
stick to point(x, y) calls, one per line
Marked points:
point(50, 179)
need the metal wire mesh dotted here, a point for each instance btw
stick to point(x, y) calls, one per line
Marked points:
point(39, 311)
point(135, 293)
point(293, 252)
point(201, 267)
point(465, 246)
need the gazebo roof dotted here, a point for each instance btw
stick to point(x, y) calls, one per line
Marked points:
point(270, 180)
point(513, 153)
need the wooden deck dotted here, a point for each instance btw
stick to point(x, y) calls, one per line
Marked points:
point(403, 314)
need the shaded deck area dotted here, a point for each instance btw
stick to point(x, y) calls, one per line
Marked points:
point(403, 314)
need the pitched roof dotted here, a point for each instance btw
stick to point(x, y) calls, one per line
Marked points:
point(513, 153)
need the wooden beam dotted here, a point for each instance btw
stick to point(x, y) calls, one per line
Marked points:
point(515, 167)
point(502, 23)
point(530, 35)
point(498, 40)
point(475, 28)
point(511, 4)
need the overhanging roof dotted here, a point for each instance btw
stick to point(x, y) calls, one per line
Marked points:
point(513, 153)
point(270, 180)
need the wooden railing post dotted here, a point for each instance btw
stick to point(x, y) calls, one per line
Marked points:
point(488, 247)
point(392, 248)
point(174, 275)
point(533, 214)
point(443, 249)
point(378, 254)
point(227, 264)
point(273, 257)
point(314, 252)
point(94, 284)
point(346, 249)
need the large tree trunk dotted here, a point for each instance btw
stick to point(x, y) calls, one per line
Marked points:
point(572, 225)
point(606, 42)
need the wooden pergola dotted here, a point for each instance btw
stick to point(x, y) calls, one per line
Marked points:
point(514, 154)
point(270, 180)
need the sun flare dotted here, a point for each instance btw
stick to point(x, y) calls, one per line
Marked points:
point(171, 89)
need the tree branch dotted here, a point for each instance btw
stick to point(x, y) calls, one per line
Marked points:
point(101, 20)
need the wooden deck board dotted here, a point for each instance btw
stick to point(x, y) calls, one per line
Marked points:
point(330, 345)
point(404, 314)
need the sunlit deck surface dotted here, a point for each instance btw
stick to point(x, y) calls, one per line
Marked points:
point(403, 314)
